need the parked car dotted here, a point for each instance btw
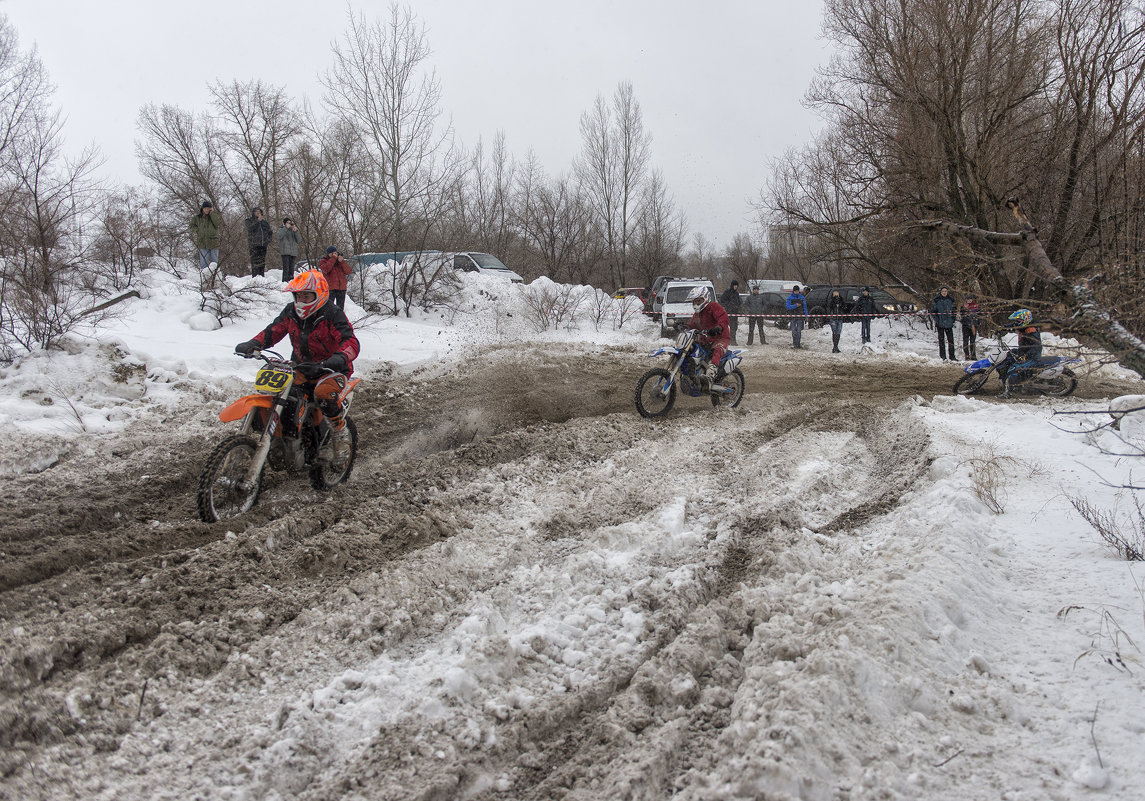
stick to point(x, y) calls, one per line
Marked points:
point(656, 293)
point(817, 295)
point(363, 261)
point(772, 284)
point(466, 262)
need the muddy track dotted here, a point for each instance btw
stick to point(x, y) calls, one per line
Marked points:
point(116, 601)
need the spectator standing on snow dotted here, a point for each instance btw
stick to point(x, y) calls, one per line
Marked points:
point(796, 305)
point(865, 306)
point(942, 310)
point(258, 236)
point(754, 308)
point(835, 308)
point(731, 301)
point(206, 230)
point(969, 317)
point(288, 240)
point(335, 269)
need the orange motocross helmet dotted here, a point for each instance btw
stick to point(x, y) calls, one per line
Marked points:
point(309, 281)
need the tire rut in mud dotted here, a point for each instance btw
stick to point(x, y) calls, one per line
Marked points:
point(117, 636)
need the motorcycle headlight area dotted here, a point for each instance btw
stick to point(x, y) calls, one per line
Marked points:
point(683, 338)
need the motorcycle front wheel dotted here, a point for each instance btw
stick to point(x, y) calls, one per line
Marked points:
point(222, 493)
point(655, 393)
point(971, 383)
point(729, 400)
point(325, 476)
point(1060, 386)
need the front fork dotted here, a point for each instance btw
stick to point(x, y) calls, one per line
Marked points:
point(264, 442)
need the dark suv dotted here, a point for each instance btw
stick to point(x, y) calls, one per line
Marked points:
point(818, 294)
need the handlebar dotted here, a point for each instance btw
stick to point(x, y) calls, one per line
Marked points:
point(308, 369)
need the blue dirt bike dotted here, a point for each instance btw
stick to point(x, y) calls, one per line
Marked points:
point(656, 389)
point(1049, 376)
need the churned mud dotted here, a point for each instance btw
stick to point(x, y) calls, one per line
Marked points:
point(144, 654)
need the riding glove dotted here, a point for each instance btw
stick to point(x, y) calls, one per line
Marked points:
point(337, 362)
point(247, 348)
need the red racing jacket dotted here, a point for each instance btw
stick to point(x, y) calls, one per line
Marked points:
point(319, 336)
point(712, 316)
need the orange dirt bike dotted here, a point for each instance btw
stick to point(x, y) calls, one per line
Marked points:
point(281, 426)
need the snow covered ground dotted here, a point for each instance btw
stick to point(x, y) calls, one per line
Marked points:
point(801, 602)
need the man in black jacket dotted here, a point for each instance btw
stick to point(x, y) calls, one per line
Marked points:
point(731, 302)
point(258, 235)
point(866, 309)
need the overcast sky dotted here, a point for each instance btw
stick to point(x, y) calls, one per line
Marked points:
point(719, 82)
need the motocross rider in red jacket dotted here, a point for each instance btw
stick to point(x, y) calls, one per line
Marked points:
point(711, 320)
point(320, 334)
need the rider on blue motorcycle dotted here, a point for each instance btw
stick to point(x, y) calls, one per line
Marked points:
point(711, 321)
point(1020, 363)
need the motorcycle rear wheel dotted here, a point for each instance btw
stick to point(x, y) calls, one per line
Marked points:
point(729, 400)
point(655, 393)
point(221, 491)
point(325, 476)
point(971, 383)
point(1061, 386)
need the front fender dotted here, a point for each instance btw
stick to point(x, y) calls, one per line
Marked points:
point(978, 366)
point(662, 351)
point(238, 410)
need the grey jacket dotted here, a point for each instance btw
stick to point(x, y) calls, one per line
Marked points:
point(754, 303)
point(288, 240)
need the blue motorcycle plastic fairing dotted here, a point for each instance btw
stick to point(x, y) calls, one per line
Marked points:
point(662, 351)
point(978, 366)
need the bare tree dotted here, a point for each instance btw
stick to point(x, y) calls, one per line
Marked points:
point(45, 289)
point(744, 258)
point(659, 233)
point(259, 124)
point(379, 85)
point(487, 196)
point(122, 245)
point(182, 154)
point(611, 168)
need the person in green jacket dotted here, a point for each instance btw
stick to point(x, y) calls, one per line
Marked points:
point(206, 230)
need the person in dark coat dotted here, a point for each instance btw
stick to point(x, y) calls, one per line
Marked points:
point(797, 306)
point(866, 309)
point(1023, 361)
point(731, 301)
point(969, 317)
point(754, 307)
point(942, 310)
point(836, 307)
point(258, 236)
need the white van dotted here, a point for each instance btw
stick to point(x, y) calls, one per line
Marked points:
point(467, 262)
point(676, 308)
point(773, 285)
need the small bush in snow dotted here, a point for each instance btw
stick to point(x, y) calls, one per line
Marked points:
point(228, 296)
point(399, 288)
point(549, 305)
point(1124, 533)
